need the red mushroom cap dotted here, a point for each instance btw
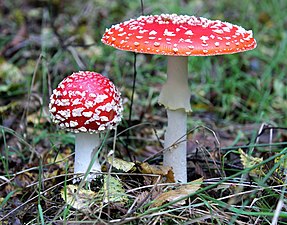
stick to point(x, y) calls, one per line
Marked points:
point(179, 35)
point(86, 102)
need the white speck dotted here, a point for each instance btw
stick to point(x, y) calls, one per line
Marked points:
point(76, 101)
point(82, 129)
point(218, 31)
point(153, 32)
point(104, 118)
point(92, 95)
point(52, 110)
point(122, 34)
point(62, 102)
point(77, 112)
point(168, 33)
point(73, 124)
point(143, 31)
point(226, 29)
point(189, 32)
point(188, 41)
point(89, 104)
point(101, 127)
point(65, 113)
point(204, 38)
point(100, 98)
point(156, 44)
point(87, 114)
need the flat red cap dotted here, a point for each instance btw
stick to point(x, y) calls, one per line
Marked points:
point(86, 102)
point(179, 35)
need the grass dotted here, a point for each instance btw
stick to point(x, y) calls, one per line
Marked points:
point(239, 102)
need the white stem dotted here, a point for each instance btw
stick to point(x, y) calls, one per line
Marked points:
point(176, 155)
point(175, 96)
point(175, 93)
point(85, 146)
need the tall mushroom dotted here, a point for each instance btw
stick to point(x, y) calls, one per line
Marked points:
point(178, 36)
point(86, 103)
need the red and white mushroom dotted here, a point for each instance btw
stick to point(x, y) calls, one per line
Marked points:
point(86, 103)
point(178, 36)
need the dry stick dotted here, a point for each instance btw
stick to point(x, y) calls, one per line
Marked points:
point(131, 108)
point(25, 113)
point(133, 92)
point(142, 7)
point(280, 203)
point(26, 109)
point(263, 128)
point(76, 56)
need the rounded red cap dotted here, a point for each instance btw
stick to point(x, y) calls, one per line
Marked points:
point(179, 35)
point(86, 102)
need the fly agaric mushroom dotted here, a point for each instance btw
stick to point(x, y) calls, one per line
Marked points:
point(86, 103)
point(178, 36)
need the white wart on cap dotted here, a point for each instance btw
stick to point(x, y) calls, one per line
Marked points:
point(86, 102)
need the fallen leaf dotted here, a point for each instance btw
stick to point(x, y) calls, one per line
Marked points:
point(113, 190)
point(181, 192)
point(281, 169)
point(120, 164)
point(249, 161)
point(78, 199)
point(37, 118)
point(11, 77)
point(164, 171)
point(61, 158)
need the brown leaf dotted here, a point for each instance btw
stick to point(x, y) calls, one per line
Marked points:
point(180, 192)
point(154, 169)
point(164, 171)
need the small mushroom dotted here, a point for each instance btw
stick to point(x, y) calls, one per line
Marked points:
point(86, 103)
point(178, 36)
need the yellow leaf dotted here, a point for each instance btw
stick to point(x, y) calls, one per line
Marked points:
point(249, 161)
point(282, 160)
point(81, 199)
point(179, 193)
point(120, 164)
